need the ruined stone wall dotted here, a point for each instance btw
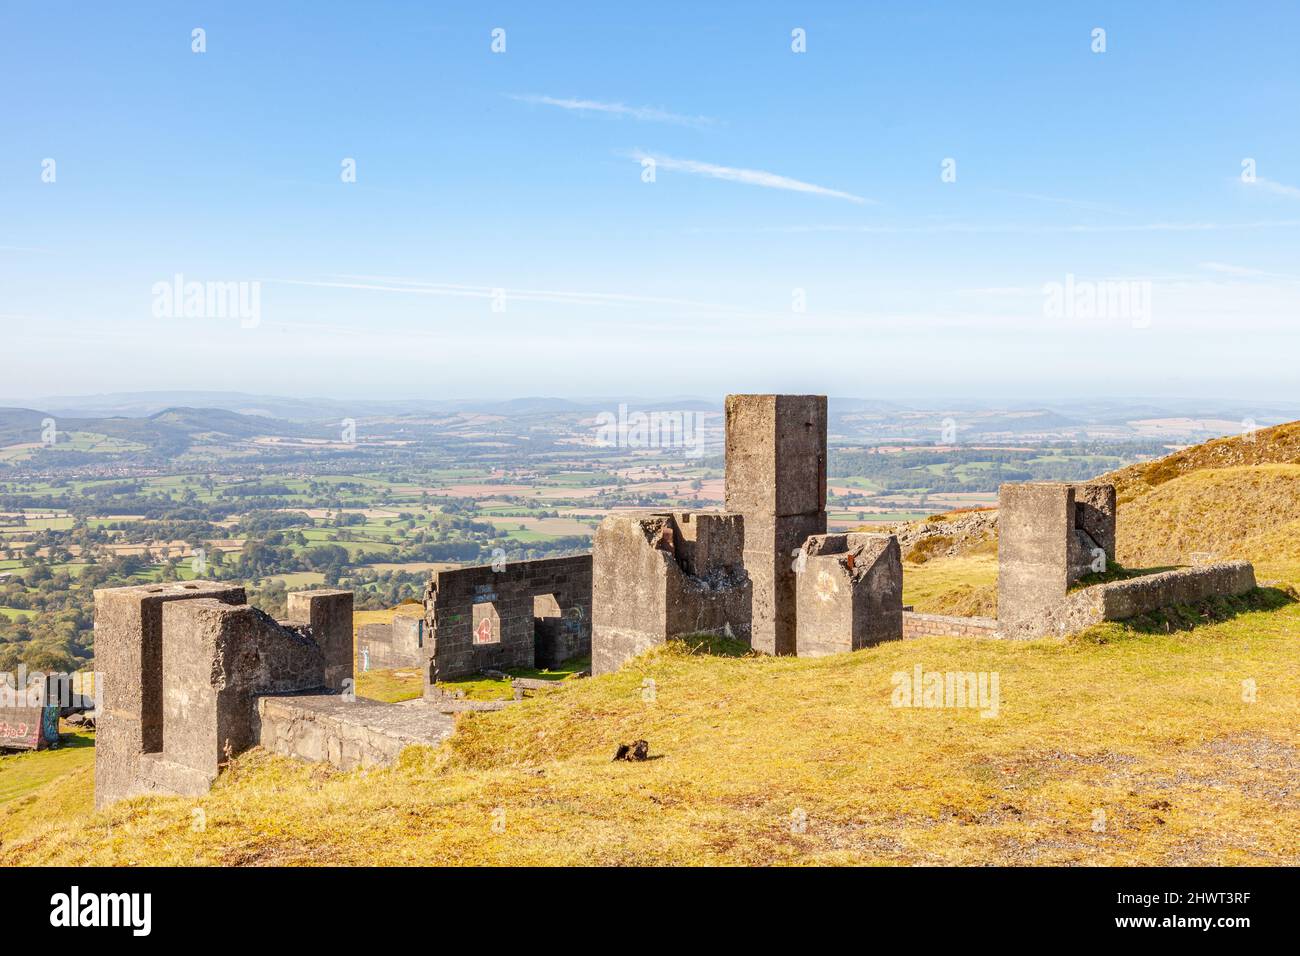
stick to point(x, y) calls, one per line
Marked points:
point(776, 480)
point(217, 660)
point(1120, 600)
point(849, 592)
point(182, 667)
point(347, 733)
point(656, 577)
point(128, 658)
point(328, 614)
point(29, 727)
point(478, 617)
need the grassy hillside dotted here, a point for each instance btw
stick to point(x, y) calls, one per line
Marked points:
point(1169, 740)
point(1277, 445)
point(1238, 512)
point(22, 774)
point(1149, 729)
point(1228, 498)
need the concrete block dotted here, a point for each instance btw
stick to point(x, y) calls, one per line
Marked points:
point(849, 593)
point(128, 659)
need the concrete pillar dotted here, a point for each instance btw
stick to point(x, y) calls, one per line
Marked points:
point(329, 615)
point(776, 479)
point(1035, 533)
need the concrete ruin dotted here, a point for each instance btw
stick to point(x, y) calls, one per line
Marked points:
point(1129, 598)
point(183, 666)
point(398, 643)
point(1050, 534)
point(760, 568)
point(849, 593)
point(776, 480)
point(661, 576)
point(519, 615)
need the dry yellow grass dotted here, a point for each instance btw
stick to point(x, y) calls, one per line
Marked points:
point(1152, 731)
point(1225, 512)
point(966, 585)
point(1277, 445)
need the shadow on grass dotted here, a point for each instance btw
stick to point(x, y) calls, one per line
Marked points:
point(73, 740)
point(1188, 617)
point(713, 645)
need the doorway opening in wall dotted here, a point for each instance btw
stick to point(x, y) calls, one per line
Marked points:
point(548, 626)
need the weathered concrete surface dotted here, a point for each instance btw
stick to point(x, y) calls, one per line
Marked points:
point(128, 658)
point(182, 666)
point(347, 733)
point(776, 480)
point(478, 617)
point(656, 577)
point(399, 643)
point(1120, 600)
point(1095, 513)
point(1050, 534)
point(329, 615)
point(217, 660)
point(849, 590)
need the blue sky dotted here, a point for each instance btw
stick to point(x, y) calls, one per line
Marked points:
point(781, 178)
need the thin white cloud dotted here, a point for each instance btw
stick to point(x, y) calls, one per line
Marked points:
point(455, 290)
point(1245, 272)
point(1019, 229)
point(1227, 268)
point(750, 177)
point(647, 114)
point(1278, 189)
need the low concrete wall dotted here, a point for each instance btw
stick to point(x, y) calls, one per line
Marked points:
point(944, 625)
point(347, 733)
point(1120, 600)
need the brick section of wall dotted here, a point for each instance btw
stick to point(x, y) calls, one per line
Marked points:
point(944, 625)
point(456, 601)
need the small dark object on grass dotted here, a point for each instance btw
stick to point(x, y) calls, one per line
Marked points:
point(637, 750)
